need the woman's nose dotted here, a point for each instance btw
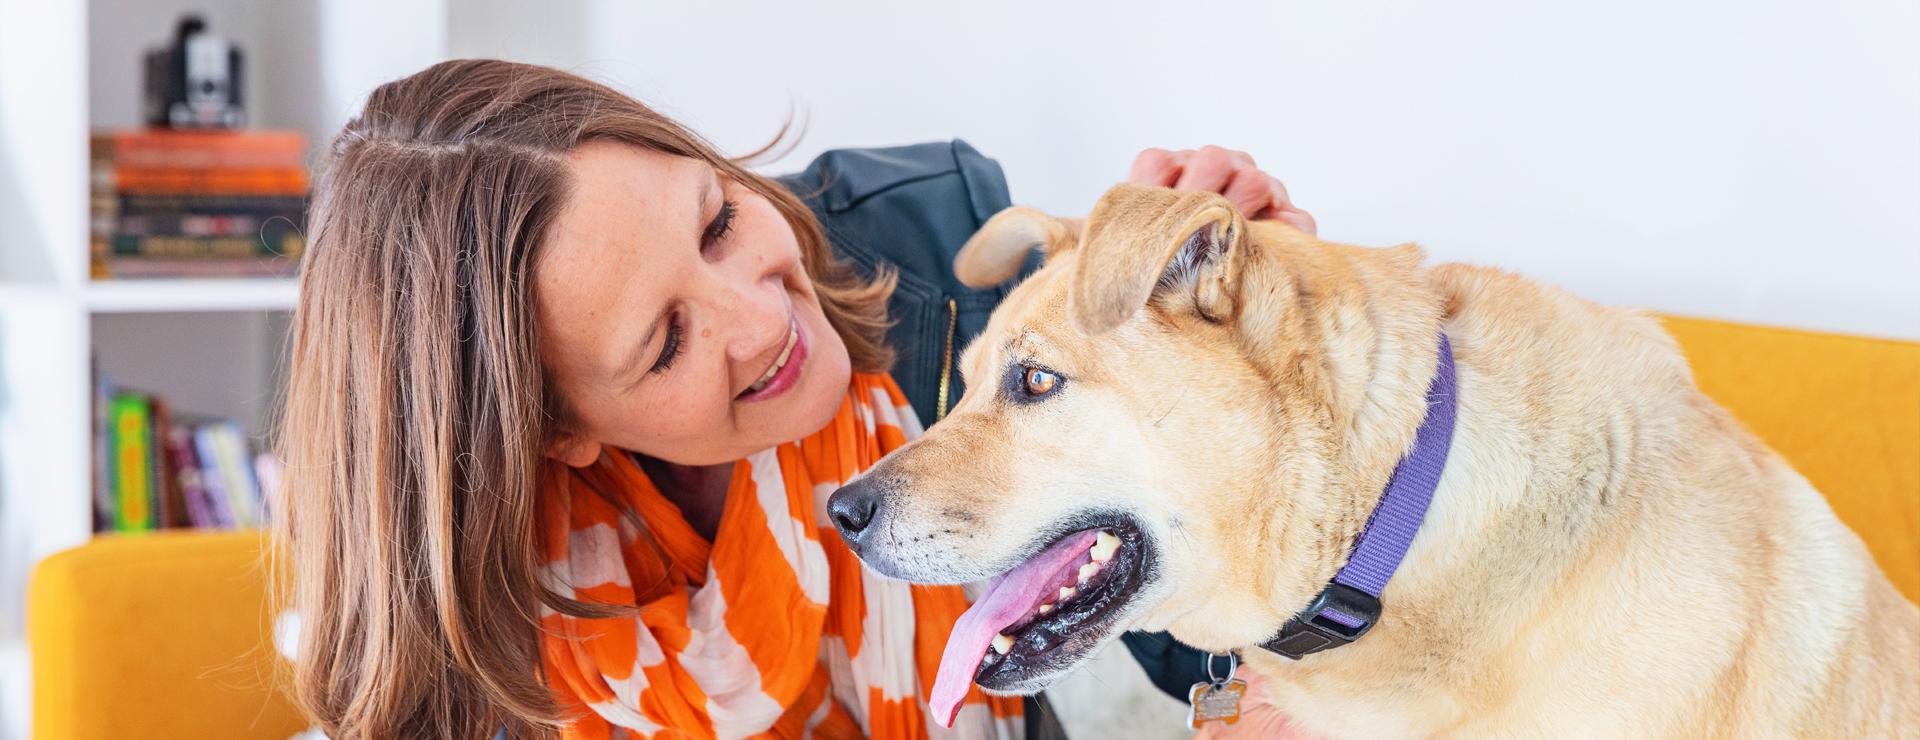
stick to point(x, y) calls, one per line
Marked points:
point(754, 310)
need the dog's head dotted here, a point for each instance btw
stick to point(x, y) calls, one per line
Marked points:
point(1161, 432)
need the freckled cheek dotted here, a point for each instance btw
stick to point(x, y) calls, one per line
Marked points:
point(690, 414)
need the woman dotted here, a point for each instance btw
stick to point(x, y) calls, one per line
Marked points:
point(567, 387)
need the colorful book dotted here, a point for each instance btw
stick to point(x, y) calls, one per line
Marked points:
point(199, 195)
point(132, 440)
point(186, 468)
point(219, 502)
point(103, 500)
point(170, 505)
point(268, 227)
point(169, 267)
point(210, 181)
point(280, 240)
point(202, 149)
point(139, 204)
point(226, 446)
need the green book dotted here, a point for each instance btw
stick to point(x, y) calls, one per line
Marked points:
point(131, 417)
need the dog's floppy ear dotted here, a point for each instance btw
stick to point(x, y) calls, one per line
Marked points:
point(996, 252)
point(1143, 239)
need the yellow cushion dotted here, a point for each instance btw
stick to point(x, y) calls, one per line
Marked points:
point(1844, 410)
point(157, 635)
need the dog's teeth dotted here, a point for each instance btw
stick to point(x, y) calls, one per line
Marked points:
point(1044, 608)
point(1087, 571)
point(1002, 643)
point(1066, 592)
point(1103, 546)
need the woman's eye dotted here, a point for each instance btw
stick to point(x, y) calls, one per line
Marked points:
point(721, 224)
point(1040, 382)
point(671, 348)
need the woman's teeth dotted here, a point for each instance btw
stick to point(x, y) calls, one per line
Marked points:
point(1104, 545)
point(793, 337)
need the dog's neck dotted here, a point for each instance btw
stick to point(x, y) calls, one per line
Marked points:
point(1349, 606)
point(1517, 488)
point(1357, 327)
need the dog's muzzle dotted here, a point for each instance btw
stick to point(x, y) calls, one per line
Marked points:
point(855, 508)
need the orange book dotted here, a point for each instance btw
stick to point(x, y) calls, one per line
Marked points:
point(226, 181)
point(184, 149)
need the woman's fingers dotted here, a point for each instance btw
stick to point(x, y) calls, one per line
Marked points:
point(1281, 208)
point(1210, 168)
point(1230, 173)
point(1159, 167)
point(1251, 191)
point(1299, 219)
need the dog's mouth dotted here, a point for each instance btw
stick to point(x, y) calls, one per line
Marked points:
point(1040, 618)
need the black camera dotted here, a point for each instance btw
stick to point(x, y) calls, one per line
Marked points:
point(194, 83)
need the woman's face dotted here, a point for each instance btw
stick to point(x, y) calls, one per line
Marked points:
point(675, 318)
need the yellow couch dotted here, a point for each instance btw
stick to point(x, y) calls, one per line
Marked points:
point(1844, 410)
point(166, 635)
point(162, 635)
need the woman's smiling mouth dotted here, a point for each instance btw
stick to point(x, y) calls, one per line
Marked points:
point(784, 373)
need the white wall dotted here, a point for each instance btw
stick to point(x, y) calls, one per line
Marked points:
point(1757, 161)
point(42, 201)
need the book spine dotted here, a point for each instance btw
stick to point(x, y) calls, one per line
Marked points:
point(186, 466)
point(172, 505)
point(133, 448)
point(271, 243)
point(268, 225)
point(170, 267)
point(142, 204)
point(211, 477)
point(236, 465)
point(210, 182)
point(103, 502)
point(204, 149)
point(103, 204)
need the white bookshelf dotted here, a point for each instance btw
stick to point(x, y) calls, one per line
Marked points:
point(210, 346)
point(191, 296)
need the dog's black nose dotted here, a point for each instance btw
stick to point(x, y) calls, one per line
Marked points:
point(853, 507)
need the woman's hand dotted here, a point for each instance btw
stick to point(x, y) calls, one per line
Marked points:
point(1224, 171)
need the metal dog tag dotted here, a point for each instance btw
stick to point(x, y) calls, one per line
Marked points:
point(1217, 698)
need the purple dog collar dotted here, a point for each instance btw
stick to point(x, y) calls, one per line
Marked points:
point(1350, 605)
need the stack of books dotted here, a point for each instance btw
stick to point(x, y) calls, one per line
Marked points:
point(198, 203)
point(155, 471)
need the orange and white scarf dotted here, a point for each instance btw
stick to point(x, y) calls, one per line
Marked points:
point(774, 628)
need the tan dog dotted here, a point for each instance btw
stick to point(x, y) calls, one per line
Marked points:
point(1608, 554)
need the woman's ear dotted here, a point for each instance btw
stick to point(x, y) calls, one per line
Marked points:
point(573, 450)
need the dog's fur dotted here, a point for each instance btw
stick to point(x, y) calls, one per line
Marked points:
point(1609, 553)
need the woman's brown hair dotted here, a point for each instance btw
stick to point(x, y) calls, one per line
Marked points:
point(416, 410)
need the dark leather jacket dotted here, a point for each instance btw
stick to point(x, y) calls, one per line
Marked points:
point(912, 207)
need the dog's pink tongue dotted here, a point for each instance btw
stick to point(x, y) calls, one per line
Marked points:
point(1007, 598)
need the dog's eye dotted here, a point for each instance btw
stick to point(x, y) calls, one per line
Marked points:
point(1040, 382)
